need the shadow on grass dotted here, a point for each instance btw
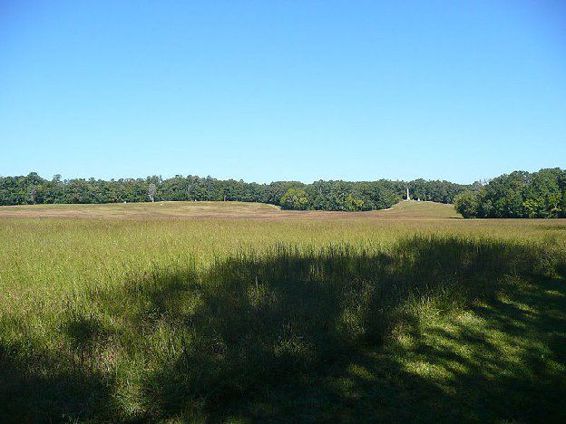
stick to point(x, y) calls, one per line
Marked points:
point(434, 329)
point(46, 387)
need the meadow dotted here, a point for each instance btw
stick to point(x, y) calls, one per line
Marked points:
point(241, 312)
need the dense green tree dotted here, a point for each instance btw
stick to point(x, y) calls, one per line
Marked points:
point(353, 203)
point(295, 198)
point(435, 191)
point(519, 194)
point(467, 203)
point(542, 196)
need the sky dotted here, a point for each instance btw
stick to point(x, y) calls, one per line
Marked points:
point(282, 89)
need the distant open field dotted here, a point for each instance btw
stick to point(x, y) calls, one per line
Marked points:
point(242, 312)
point(230, 210)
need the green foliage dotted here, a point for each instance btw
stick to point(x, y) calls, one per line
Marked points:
point(322, 195)
point(518, 195)
point(435, 191)
point(467, 204)
point(295, 198)
point(353, 204)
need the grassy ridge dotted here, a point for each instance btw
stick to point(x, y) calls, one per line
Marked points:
point(222, 210)
point(238, 321)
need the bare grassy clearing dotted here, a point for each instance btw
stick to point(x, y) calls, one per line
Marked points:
point(228, 210)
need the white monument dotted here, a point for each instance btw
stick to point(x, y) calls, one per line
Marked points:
point(408, 197)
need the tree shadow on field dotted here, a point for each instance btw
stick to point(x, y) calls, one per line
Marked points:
point(39, 386)
point(295, 337)
point(431, 330)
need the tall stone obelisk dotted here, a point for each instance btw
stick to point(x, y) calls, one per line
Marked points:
point(408, 197)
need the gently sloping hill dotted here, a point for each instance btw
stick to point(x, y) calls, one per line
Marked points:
point(224, 210)
point(420, 210)
point(431, 329)
point(143, 210)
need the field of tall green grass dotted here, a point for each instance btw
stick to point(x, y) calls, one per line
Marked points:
point(299, 319)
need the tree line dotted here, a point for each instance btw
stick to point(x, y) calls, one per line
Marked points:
point(320, 195)
point(519, 194)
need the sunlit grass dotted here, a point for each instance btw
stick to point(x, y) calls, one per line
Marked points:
point(352, 319)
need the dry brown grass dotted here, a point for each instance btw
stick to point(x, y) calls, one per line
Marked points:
point(230, 210)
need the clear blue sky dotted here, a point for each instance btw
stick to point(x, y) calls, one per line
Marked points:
point(282, 89)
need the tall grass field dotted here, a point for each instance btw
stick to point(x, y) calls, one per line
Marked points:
point(243, 313)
